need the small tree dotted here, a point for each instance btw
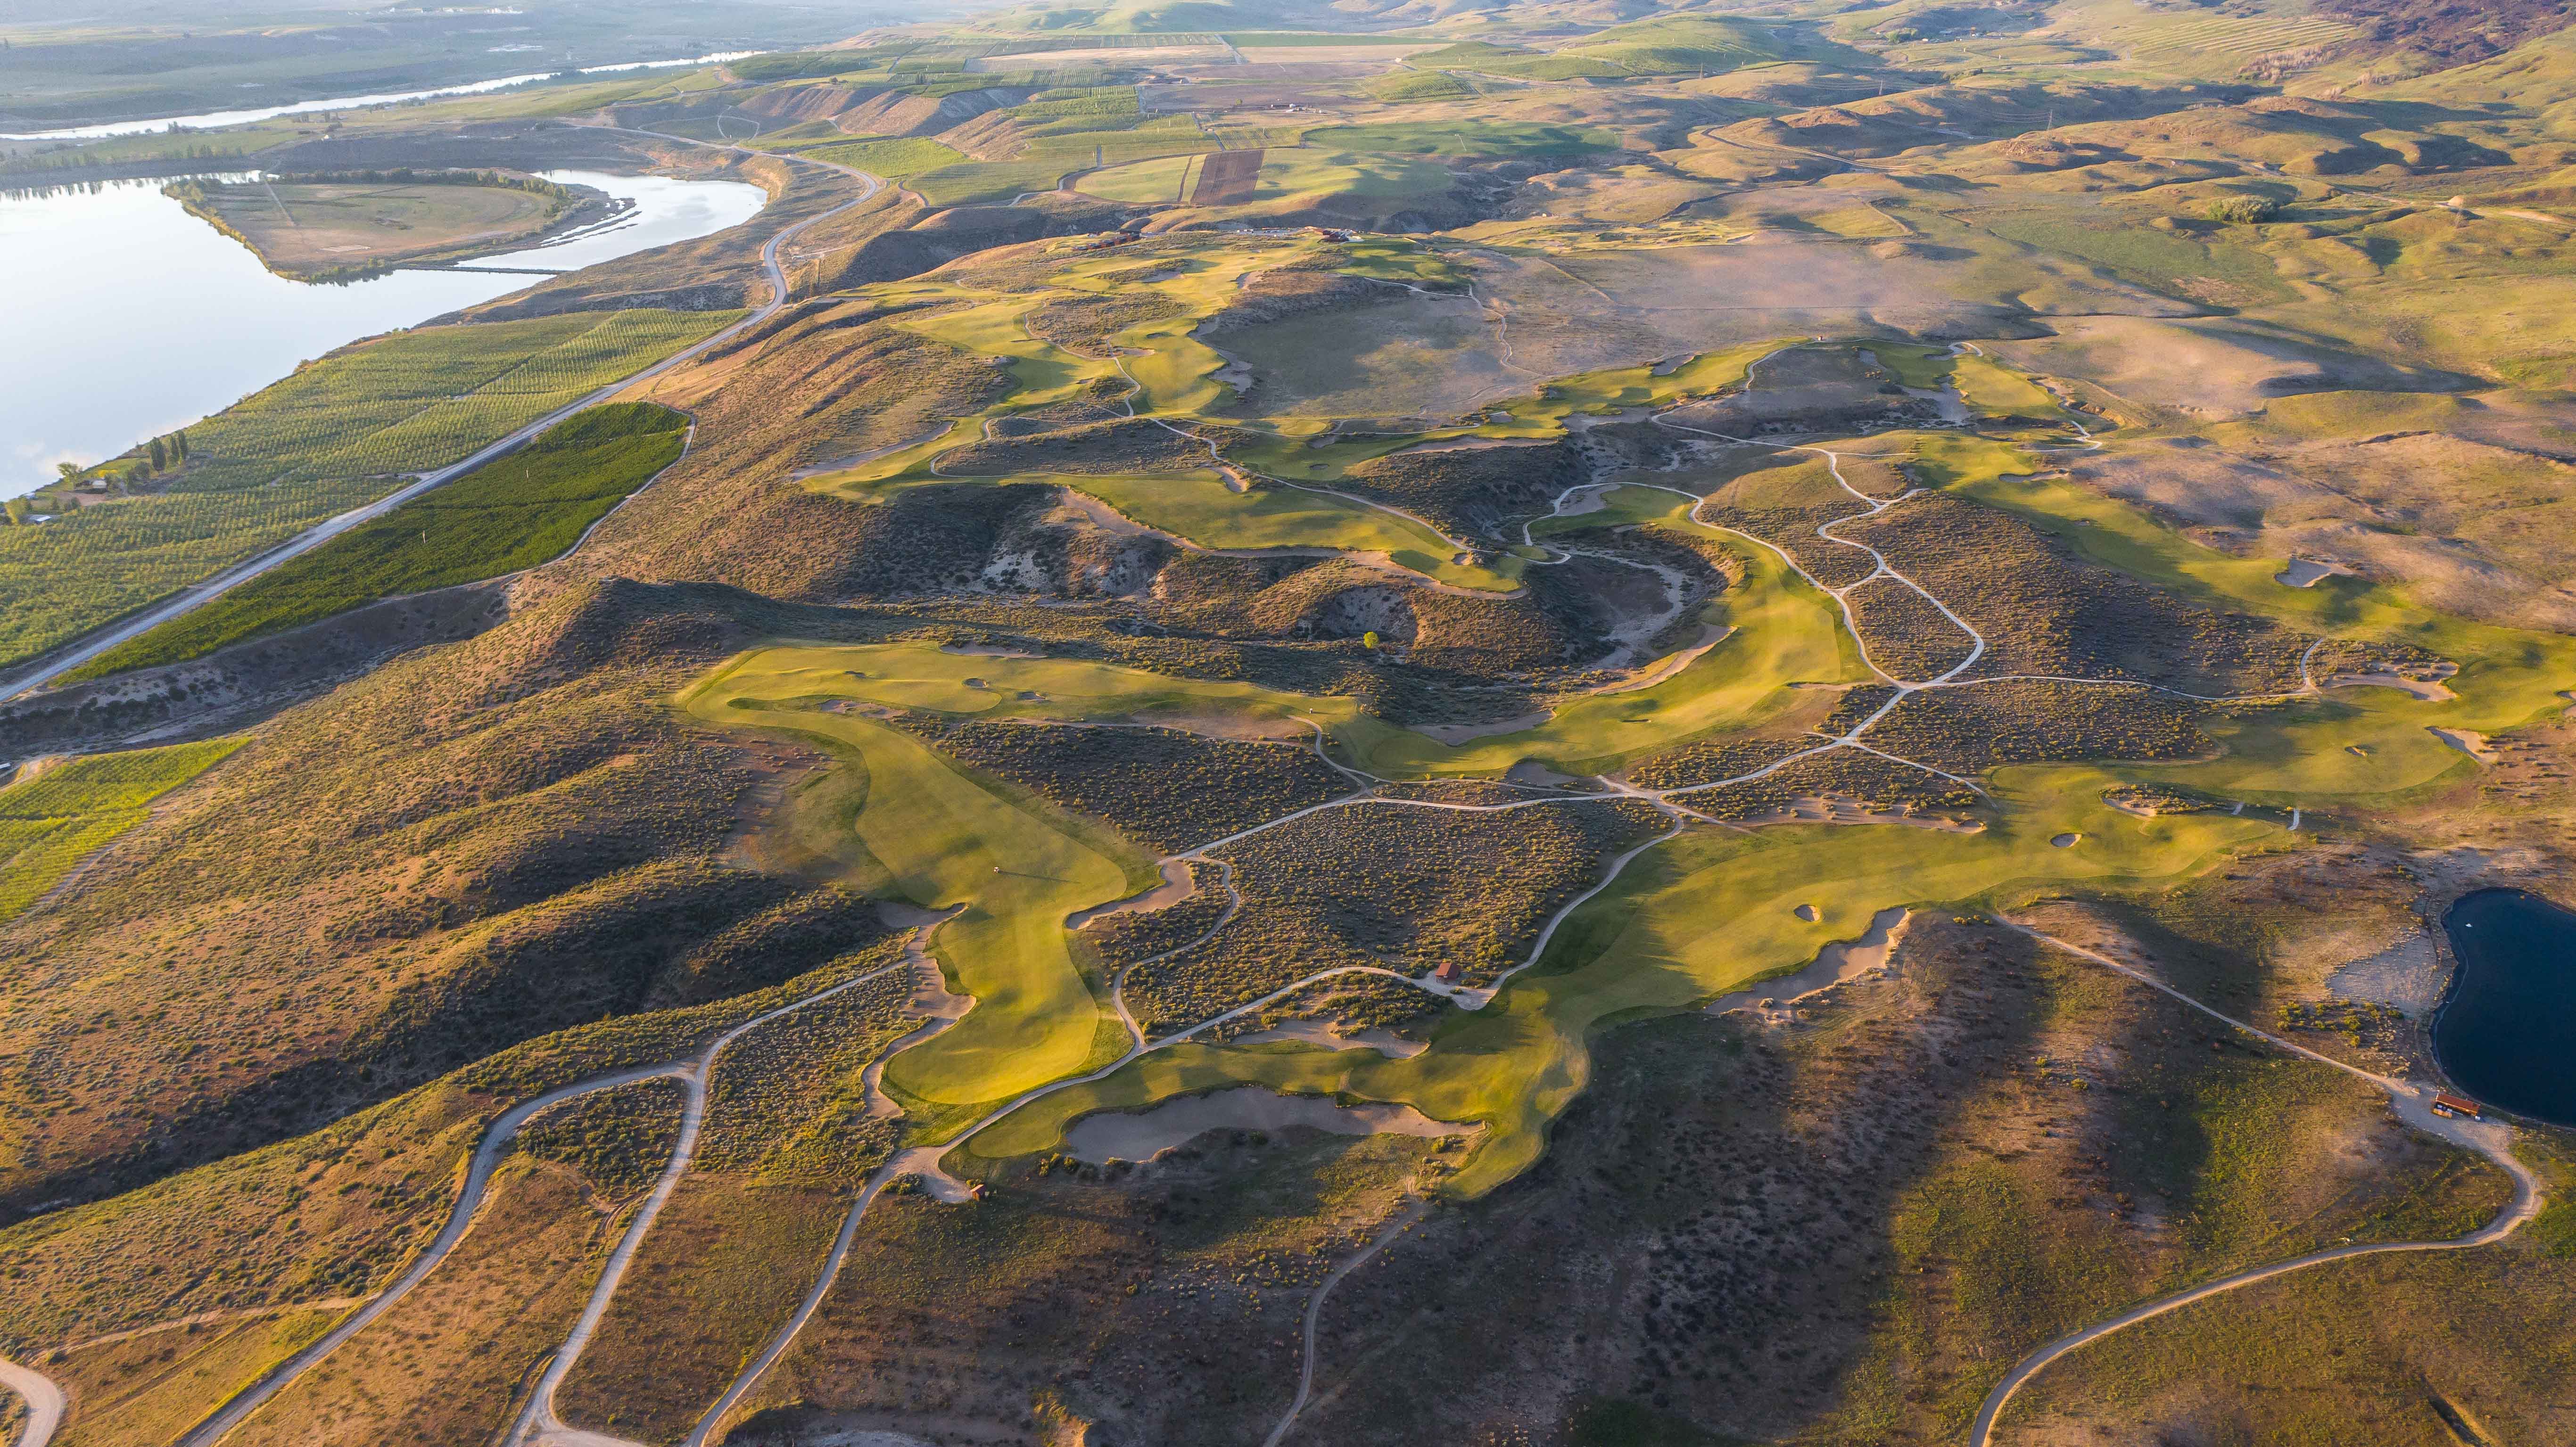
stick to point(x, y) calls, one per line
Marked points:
point(2243, 210)
point(69, 472)
point(160, 459)
point(1369, 639)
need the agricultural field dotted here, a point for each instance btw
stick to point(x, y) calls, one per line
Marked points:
point(340, 433)
point(1733, 726)
point(512, 513)
point(325, 227)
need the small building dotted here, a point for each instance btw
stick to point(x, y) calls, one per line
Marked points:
point(1448, 972)
point(2445, 1103)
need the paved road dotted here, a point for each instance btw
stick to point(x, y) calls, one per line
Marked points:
point(189, 600)
point(2413, 1104)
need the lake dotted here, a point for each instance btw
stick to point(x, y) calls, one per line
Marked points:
point(2506, 1031)
point(128, 317)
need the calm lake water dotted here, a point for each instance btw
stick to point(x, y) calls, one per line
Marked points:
point(127, 317)
point(2507, 1029)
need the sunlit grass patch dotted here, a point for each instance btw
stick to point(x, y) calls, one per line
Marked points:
point(50, 823)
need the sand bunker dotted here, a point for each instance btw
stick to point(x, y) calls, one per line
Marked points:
point(2472, 744)
point(2425, 689)
point(1834, 964)
point(2065, 841)
point(1178, 884)
point(1137, 1136)
point(2305, 572)
point(1710, 635)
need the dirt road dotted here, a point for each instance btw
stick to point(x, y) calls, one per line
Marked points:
point(2413, 1104)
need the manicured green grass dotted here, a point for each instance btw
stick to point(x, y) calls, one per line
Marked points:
point(898, 158)
point(1404, 85)
point(49, 824)
point(1465, 138)
point(1784, 632)
point(970, 182)
point(1198, 506)
point(512, 513)
point(947, 839)
point(1138, 182)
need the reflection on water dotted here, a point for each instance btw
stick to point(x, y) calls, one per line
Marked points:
point(127, 317)
point(214, 120)
point(2507, 1028)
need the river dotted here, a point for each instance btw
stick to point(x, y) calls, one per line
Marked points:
point(2506, 1032)
point(214, 119)
point(129, 317)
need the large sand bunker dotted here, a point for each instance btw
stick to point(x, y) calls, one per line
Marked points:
point(1136, 1136)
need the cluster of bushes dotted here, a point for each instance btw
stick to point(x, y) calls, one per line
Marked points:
point(1970, 730)
point(1401, 888)
point(2043, 608)
point(2157, 799)
point(1120, 446)
point(1165, 789)
point(1845, 774)
point(787, 1098)
point(620, 1139)
point(1705, 761)
point(1083, 322)
point(1906, 634)
point(1349, 1004)
point(1470, 490)
point(2243, 210)
point(406, 176)
point(1123, 939)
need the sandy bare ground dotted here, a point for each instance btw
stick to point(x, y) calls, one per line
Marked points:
point(2308, 572)
point(1835, 964)
point(1139, 1135)
point(2469, 742)
point(44, 1402)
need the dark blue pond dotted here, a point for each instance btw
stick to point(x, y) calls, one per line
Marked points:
point(2507, 1029)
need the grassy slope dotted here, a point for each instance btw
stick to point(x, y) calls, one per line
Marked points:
point(50, 824)
point(512, 513)
point(947, 840)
